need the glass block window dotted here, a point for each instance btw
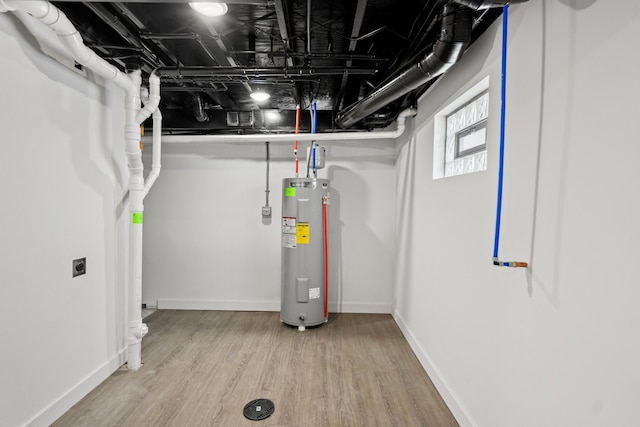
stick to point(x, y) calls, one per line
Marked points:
point(466, 136)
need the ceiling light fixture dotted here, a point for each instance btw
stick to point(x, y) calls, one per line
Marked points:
point(260, 96)
point(209, 8)
point(272, 116)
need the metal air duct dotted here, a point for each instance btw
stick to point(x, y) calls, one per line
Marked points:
point(198, 110)
point(456, 27)
point(455, 37)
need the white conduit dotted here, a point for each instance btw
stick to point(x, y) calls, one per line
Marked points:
point(280, 137)
point(134, 116)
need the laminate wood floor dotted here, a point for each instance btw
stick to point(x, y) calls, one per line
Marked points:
point(201, 368)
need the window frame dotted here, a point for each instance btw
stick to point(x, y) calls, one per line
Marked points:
point(453, 105)
point(482, 124)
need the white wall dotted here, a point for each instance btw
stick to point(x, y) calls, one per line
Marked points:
point(552, 345)
point(62, 173)
point(556, 344)
point(206, 246)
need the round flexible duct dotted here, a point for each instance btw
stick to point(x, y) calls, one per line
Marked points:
point(457, 24)
point(456, 35)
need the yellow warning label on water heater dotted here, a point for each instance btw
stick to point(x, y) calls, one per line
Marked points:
point(302, 233)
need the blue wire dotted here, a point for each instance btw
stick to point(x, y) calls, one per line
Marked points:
point(505, 21)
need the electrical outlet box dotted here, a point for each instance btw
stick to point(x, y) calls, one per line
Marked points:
point(79, 266)
point(266, 211)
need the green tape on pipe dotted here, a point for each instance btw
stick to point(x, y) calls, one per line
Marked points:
point(136, 218)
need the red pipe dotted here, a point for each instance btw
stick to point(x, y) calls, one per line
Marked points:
point(326, 257)
point(295, 144)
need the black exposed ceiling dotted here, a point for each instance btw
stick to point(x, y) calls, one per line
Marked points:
point(333, 52)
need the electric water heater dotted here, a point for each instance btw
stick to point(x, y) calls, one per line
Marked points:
point(304, 293)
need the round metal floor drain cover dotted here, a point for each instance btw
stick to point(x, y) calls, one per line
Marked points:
point(258, 409)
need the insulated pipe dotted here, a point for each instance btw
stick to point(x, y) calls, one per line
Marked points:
point(503, 107)
point(286, 137)
point(456, 35)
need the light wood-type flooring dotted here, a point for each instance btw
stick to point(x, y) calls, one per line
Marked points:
point(201, 368)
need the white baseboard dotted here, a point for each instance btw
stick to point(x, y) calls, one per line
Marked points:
point(449, 398)
point(56, 409)
point(228, 305)
point(360, 307)
point(222, 305)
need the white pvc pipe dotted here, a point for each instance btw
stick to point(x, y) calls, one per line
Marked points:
point(152, 106)
point(136, 329)
point(154, 99)
point(71, 39)
point(336, 136)
point(132, 131)
point(51, 16)
point(156, 147)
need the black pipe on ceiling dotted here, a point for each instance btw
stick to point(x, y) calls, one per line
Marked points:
point(258, 72)
point(487, 4)
point(121, 29)
point(456, 27)
point(456, 35)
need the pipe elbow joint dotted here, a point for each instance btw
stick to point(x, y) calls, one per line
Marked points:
point(409, 112)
